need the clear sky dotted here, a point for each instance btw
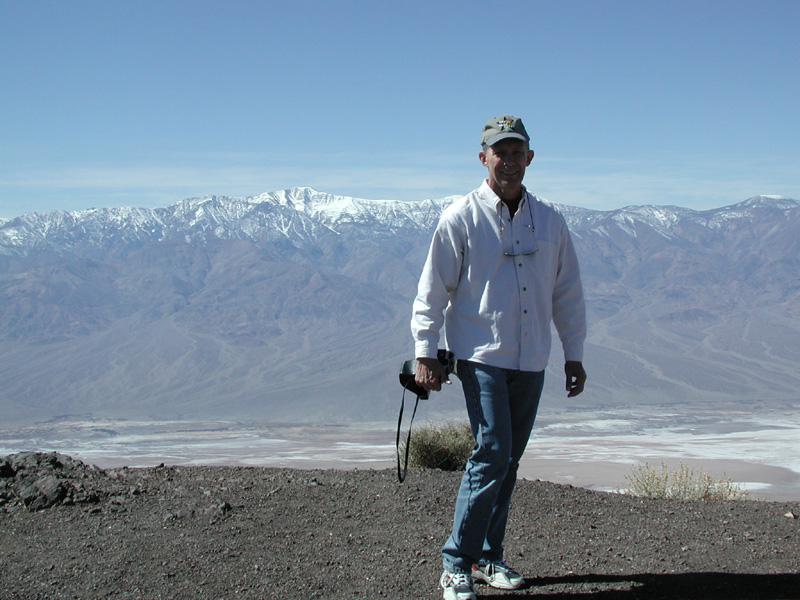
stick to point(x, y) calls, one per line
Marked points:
point(143, 103)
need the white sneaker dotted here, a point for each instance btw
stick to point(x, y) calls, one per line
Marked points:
point(457, 586)
point(498, 575)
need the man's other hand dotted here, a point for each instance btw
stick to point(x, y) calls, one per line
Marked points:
point(576, 377)
point(430, 374)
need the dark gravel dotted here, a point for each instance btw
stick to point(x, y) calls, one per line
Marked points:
point(237, 532)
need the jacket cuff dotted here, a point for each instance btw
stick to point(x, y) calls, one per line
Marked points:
point(424, 350)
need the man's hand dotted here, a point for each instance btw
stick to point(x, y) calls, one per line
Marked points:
point(430, 374)
point(576, 377)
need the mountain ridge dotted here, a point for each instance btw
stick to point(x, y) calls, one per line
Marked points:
point(294, 305)
point(330, 209)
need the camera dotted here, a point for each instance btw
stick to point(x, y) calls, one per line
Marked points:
point(409, 369)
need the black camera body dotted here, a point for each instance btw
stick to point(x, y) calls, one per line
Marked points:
point(409, 369)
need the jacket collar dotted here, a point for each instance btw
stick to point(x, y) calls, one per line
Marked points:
point(494, 202)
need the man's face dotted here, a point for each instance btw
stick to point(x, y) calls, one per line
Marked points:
point(506, 162)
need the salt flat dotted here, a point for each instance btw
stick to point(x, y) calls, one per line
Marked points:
point(759, 450)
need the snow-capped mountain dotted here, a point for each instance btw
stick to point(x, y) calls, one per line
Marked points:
point(299, 216)
point(294, 305)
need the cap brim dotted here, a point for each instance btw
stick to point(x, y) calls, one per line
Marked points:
point(504, 136)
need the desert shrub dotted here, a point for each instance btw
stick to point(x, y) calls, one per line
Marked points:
point(682, 483)
point(445, 446)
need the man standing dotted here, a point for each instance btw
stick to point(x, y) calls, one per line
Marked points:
point(500, 267)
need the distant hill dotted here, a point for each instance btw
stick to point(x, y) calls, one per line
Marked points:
point(294, 306)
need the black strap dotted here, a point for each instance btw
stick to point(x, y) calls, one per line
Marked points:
point(401, 472)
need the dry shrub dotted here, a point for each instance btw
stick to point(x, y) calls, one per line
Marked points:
point(682, 483)
point(446, 446)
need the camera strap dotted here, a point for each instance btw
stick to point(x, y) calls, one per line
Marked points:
point(403, 470)
point(407, 380)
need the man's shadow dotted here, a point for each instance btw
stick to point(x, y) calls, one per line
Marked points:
point(673, 586)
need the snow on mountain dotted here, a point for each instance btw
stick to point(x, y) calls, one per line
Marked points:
point(298, 214)
point(294, 305)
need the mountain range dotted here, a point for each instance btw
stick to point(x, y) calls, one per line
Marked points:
point(294, 306)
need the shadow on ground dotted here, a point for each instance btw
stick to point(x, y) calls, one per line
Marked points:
point(676, 586)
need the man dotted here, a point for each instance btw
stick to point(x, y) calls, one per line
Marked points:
point(500, 267)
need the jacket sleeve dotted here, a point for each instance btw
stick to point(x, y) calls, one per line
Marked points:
point(569, 308)
point(438, 280)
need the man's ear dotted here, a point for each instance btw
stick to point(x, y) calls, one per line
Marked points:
point(530, 157)
point(482, 157)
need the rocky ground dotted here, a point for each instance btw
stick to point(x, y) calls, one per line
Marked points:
point(68, 530)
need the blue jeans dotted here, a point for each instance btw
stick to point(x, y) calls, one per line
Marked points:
point(502, 405)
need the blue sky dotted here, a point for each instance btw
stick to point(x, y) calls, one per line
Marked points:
point(143, 103)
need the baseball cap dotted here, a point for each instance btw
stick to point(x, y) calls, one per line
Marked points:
point(502, 127)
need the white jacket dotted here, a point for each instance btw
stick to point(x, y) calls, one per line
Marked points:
point(497, 308)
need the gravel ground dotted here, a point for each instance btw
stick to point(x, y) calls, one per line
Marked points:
point(258, 533)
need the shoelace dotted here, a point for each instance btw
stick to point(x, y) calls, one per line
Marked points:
point(491, 568)
point(501, 566)
point(459, 580)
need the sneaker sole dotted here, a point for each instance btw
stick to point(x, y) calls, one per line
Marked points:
point(446, 597)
